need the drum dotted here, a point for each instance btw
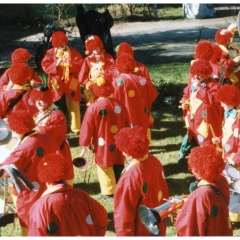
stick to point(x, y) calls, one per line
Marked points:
point(232, 172)
point(236, 185)
point(234, 206)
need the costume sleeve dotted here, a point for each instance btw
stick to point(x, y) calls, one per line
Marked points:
point(36, 77)
point(49, 63)
point(83, 74)
point(4, 80)
point(76, 61)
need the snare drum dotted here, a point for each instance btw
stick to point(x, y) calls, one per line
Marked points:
point(236, 185)
point(234, 206)
point(232, 172)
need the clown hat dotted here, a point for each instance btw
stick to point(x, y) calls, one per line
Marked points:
point(223, 35)
point(201, 66)
point(125, 63)
point(203, 50)
point(42, 92)
point(20, 73)
point(93, 42)
point(132, 141)
point(124, 47)
point(20, 55)
point(52, 168)
point(21, 122)
point(206, 162)
point(228, 94)
point(58, 38)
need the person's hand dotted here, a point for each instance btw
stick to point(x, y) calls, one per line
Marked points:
point(33, 83)
point(231, 162)
point(237, 60)
point(216, 140)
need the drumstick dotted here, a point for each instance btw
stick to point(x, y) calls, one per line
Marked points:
point(213, 133)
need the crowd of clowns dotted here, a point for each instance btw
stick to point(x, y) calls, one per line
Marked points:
point(119, 94)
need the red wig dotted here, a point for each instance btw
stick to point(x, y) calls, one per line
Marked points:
point(201, 66)
point(46, 96)
point(203, 50)
point(93, 42)
point(125, 63)
point(20, 55)
point(58, 38)
point(20, 73)
point(217, 53)
point(52, 168)
point(102, 88)
point(222, 36)
point(132, 141)
point(228, 94)
point(124, 47)
point(21, 122)
point(206, 162)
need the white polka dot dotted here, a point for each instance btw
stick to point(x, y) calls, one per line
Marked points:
point(117, 109)
point(89, 220)
point(101, 141)
point(143, 81)
point(200, 138)
point(36, 186)
point(235, 132)
point(30, 103)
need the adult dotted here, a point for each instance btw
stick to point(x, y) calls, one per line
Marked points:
point(51, 121)
point(63, 210)
point(20, 55)
point(102, 120)
point(62, 64)
point(205, 213)
point(202, 113)
point(141, 183)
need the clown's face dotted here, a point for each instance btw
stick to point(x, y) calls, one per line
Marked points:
point(62, 46)
point(41, 105)
point(97, 53)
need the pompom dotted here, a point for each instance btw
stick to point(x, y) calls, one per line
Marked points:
point(125, 63)
point(44, 95)
point(93, 42)
point(124, 48)
point(206, 162)
point(222, 36)
point(217, 54)
point(52, 168)
point(58, 38)
point(132, 141)
point(104, 89)
point(21, 122)
point(201, 66)
point(20, 73)
point(203, 50)
point(228, 94)
point(20, 55)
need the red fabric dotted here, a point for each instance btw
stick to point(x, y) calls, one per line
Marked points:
point(72, 211)
point(49, 66)
point(26, 157)
point(143, 183)
point(205, 213)
point(102, 120)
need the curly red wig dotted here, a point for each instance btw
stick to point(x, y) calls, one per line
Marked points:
point(217, 53)
point(124, 47)
point(46, 96)
point(222, 36)
point(125, 63)
point(228, 94)
point(201, 66)
point(93, 42)
point(203, 50)
point(206, 162)
point(59, 37)
point(20, 55)
point(20, 73)
point(132, 141)
point(104, 89)
point(52, 168)
point(21, 122)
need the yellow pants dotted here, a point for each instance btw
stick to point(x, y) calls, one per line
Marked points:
point(73, 108)
point(106, 180)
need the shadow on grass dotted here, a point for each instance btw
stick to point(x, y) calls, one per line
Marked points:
point(90, 188)
point(111, 227)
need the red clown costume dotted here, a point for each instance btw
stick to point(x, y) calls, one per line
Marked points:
point(102, 120)
point(17, 98)
point(26, 156)
point(96, 64)
point(20, 55)
point(51, 121)
point(63, 64)
point(63, 210)
point(141, 183)
point(205, 213)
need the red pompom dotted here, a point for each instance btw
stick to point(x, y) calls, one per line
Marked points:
point(20, 55)
point(222, 36)
point(201, 66)
point(203, 50)
point(124, 48)
point(228, 94)
point(58, 38)
point(103, 90)
point(125, 63)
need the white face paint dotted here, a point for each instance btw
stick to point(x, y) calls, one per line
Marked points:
point(41, 105)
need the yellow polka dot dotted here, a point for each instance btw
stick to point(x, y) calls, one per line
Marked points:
point(131, 93)
point(159, 196)
point(114, 129)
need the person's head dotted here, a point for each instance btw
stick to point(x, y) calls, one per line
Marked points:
point(94, 46)
point(223, 37)
point(20, 73)
point(203, 50)
point(42, 97)
point(217, 54)
point(124, 47)
point(103, 87)
point(206, 163)
point(21, 122)
point(59, 40)
point(201, 69)
point(20, 55)
point(133, 142)
point(229, 96)
point(52, 168)
point(125, 63)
